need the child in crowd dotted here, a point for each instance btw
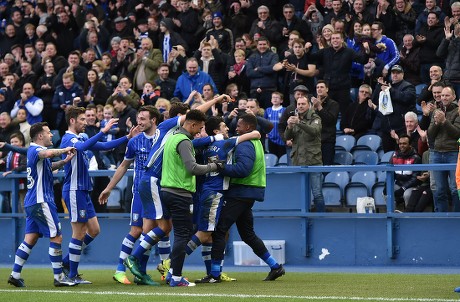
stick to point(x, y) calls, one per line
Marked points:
point(150, 94)
point(14, 163)
point(273, 114)
point(107, 156)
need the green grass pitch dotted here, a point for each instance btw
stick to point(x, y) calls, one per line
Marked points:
point(249, 287)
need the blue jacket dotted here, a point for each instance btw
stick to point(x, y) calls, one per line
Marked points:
point(244, 158)
point(264, 76)
point(187, 83)
point(33, 107)
point(391, 54)
point(65, 96)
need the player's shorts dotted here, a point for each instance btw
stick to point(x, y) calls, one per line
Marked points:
point(209, 211)
point(136, 211)
point(79, 204)
point(42, 219)
point(149, 191)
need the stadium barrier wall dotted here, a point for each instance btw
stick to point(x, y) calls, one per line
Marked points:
point(317, 239)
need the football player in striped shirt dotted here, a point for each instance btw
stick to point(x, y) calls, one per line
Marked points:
point(137, 151)
point(41, 213)
point(77, 185)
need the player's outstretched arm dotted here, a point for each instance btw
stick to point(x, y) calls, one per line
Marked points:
point(249, 136)
point(70, 151)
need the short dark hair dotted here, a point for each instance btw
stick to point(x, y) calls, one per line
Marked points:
point(213, 123)
point(404, 135)
point(120, 99)
point(195, 115)
point(178, 108)
point(250, 120)
point(72, 112)
point(36, 129)
point(19, 136)
point(322, 82)
point(153, 112)
point(263, 38)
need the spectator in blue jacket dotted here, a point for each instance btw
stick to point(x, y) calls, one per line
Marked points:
point(192, 79)
point(31, 103)
point(64, 96)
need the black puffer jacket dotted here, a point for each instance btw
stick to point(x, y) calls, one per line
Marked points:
point(450, 49)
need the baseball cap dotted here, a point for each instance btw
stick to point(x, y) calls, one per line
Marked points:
point(397, 68)
point(301, 88)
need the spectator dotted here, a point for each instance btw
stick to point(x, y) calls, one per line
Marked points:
point(299, 69)
point(211, 61)
point(31, 103)
point(73, 66)
point(64, 96)
point(328, 110)
point(359, 116)
point(405, 17)
point(410, 60)
point(237, 72)
point(45, 90)
point(389, 54)
point(430, 7)
point(450, 50)
point(145, 65)
point(413, 131)
point(7, 127)
point(266, 27)
point(66, 30)
point(304, 129)
point(336, 62)
point(166, 84)
point(429, 37)
point(24, 126)
point(125, 113)
point(221, 34)
point(50, 55)
point(273, 114)
point(403, 99)
point(192, 79)
point(27, 75)
point(445, 130)
point(421, 195)
point(124, 90)
point(187, 21)
point(169, 38)
point(405, 181)
point(337, 13)
point(150, 94)
point(435, 77)
point(291, 22)
point(94, 89)
point(260, 72)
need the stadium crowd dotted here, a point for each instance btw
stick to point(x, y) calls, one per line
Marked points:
point(339, 58)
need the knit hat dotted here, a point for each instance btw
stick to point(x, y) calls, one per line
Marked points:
point(217, 15)
point(327, 26)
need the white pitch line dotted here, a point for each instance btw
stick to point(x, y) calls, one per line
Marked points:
point(241, 296)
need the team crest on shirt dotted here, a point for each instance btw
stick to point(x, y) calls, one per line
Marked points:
point(82, 213)
point(135, 217)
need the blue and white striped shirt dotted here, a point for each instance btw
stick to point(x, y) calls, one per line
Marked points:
point(274, 115)
point(39, 177)
point(138, 150)
point(155, 161)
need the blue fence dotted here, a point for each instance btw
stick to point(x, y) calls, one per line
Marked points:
point(387, 238)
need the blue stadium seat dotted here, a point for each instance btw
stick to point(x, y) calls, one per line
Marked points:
point(114, 201)
point(345, 142)
point(353, 191)
point(385, 159)
point(271, 160)
point(56, 139)
point(343, 158)
point(369, 142)
point(377, 194)
point(333, 187)
point(282, 161)
point(365, 177)
point(366, 157)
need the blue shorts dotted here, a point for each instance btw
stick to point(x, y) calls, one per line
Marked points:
point(209, 210)
point(42, 219)
point(136, 211)
point(149, 191)
point(79, 204)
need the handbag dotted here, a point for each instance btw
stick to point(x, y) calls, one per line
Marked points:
point(385, 104)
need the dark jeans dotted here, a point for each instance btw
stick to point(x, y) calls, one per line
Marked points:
point(328, 153)
point(239, 211)
point(342, 96)
point(178, 208)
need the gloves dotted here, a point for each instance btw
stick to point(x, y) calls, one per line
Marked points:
point(220, 164)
